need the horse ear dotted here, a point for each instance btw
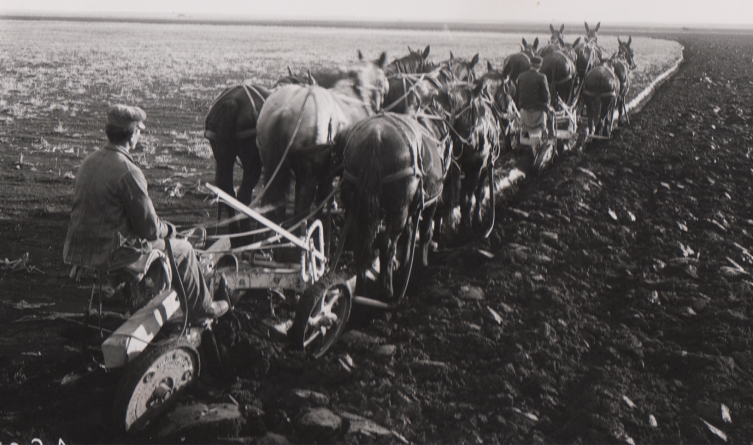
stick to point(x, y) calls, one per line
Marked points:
point(598, 25)
point(576, 41)
point(360, 55)
point(452, 56)
point(536, 43)
point(562, 28)
point(381, 60)
point(587, 30)
point(489, 66)
point(524, 42)
point(551, 28)
point(618, 40)
point(290, 72)
point(474, 61)
point(630, 40)
point(311, 79)
point(426, 52)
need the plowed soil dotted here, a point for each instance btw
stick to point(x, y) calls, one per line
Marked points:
point(615, 306)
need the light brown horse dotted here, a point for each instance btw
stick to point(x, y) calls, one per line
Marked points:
point(297, 129)
point(230, 127)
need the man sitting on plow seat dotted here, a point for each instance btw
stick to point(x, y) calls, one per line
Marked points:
point(113, 222)
point(534, 98)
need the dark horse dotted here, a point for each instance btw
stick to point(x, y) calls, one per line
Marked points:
point(600, 90)
point(554, 41)
point(560, 72)
point(404, 76)
point(589, 53)
point(230, 127)
point(521, 61)
point(458, 69)
point(477, 124)
point(414, 62)
point(623, 63)
point(394, 167)
point(298, 126)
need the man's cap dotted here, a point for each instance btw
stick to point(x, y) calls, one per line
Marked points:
point(127, 117)
point(536, 62)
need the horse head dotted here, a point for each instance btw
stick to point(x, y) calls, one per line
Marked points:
point(556, 35)
point(529, 49)
point(296, 79)
point(592, 34)
point(569, 49)
point(414, 62)
point(625, 52)
point(459, 69)
point(408, 93)
point(500, 87)
point(370, 80)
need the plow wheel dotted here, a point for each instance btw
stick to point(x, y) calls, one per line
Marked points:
point(153, 383)
point(321, 315)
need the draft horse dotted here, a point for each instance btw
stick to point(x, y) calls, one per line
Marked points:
point(521, 61)
point(297, 129)
point(622, 64)
point(589, 53)
point(477, 132)
point(601, 88)
point(230, 127)
point(394, 168)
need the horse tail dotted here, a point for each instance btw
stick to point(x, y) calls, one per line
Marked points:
point(597, 112)
point(224, 116)
point(368, 203)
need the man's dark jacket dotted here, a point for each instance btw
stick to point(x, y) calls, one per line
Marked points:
point(533, 90)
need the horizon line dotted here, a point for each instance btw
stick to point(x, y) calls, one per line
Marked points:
point(213, 18)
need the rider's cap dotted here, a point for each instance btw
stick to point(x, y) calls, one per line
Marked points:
point(126, 117)
point(536, 62)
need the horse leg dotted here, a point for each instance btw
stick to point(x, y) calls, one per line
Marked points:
point(223, 178)
point(426, 232)
point(483, 177)
point(387, 260)
point(251, 163)
point(395, 225)
point(274, 200)
point(467, 194)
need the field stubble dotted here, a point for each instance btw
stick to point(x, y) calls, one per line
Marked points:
point(556, 363)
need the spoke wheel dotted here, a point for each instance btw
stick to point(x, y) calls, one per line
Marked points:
point(321, 315)
point(153, 383)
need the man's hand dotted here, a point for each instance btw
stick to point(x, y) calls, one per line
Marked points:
point(171, 230)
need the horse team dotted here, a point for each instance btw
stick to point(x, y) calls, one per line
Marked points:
point(405, 142)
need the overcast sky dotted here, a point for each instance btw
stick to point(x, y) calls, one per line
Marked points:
point(715, 12)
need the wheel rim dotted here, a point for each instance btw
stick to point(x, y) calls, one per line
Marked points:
point(326, 317)
point(167, 376)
